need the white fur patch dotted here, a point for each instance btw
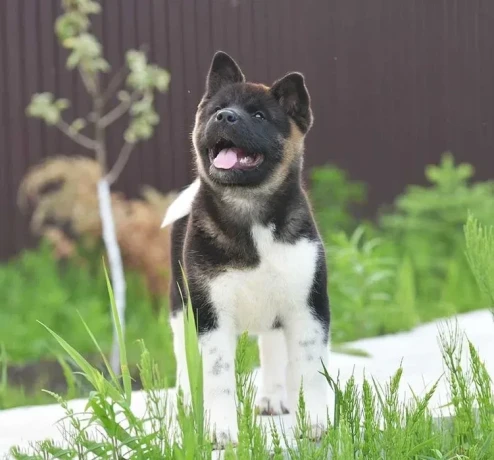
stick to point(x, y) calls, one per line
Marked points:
point(272, 398)
point(182, 205)
point(279, 287)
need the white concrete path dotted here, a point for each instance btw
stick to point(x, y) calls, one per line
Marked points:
point(417, 350)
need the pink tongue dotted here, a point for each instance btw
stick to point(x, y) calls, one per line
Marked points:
point(226, 159)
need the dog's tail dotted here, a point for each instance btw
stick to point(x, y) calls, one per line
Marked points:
point(182, 205)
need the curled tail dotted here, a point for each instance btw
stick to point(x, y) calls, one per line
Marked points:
point(182, 205)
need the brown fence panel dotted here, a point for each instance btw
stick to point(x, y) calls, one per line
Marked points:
point(394, 83)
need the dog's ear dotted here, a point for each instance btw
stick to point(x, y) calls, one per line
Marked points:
point(292, 94)
point(224, 70)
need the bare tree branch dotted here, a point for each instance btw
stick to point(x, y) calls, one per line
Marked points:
point(81, 139)
point(119, 78)
point(89, 84)
point(114, 84)
point(118, 167)
point(120, 110)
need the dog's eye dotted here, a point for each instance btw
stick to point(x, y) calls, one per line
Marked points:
point(259, 115)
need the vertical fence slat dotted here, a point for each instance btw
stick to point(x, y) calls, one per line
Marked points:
point(16, 138)
point(179, 146)
point(5, 154)
point(190, 77)
point(32, 67)
point(144, 38)
point(163, 147)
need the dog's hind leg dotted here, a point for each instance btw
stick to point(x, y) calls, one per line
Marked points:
point(271, 399)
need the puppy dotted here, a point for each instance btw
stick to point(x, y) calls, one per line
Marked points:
point(253, 258)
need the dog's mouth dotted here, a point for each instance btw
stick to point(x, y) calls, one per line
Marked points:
point(226, 155)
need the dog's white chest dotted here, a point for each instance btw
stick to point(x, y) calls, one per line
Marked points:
point(279, 286)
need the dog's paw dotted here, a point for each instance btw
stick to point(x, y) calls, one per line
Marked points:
point(317, 421)
point(224, 428)
point(313, 432)
point(317, 431)
point(271, 404)
point(221, 438)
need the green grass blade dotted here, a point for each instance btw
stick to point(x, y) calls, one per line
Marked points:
point(105, 360)
point(88, 370)
point(69, 377)
point(127, 384)
point(194, 361)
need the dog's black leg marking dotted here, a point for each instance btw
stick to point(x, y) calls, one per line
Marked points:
point(318, 298)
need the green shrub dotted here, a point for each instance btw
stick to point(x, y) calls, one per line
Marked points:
point(427, 227)
point(360, 285)
point(334, 197)
point(480, 253)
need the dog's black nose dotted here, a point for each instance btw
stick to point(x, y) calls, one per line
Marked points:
point(227, 115)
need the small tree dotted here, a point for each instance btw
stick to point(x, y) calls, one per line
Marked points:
point(141, 80)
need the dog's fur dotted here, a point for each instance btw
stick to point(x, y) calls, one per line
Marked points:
point(251, 251)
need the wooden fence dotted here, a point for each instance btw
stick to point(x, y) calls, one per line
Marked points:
point(394, 83)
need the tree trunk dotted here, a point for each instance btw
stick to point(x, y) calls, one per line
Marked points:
point(116, 267)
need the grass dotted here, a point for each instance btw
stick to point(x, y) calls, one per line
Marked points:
point(370, 421)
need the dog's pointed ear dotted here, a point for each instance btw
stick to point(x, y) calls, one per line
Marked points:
point(224, 70)
point(292, 94)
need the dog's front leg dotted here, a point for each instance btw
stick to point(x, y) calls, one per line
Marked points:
point(218, 355)
point(271, 399)
point(307, 345)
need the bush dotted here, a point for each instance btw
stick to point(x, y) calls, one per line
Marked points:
point(360, 285)
point(480, 253)
point(35, 287)
point(334, 198)
point(427, 227)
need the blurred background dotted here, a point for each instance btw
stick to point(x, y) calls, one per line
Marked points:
point(401, 150)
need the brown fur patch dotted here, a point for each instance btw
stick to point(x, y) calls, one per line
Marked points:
point(260, 86)
point(292, 151)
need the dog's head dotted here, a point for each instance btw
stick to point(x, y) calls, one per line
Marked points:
point(246, 134)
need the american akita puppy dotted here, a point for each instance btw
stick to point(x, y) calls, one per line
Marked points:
point(253, 258)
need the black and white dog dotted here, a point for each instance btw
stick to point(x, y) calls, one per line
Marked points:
point(244, 233)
